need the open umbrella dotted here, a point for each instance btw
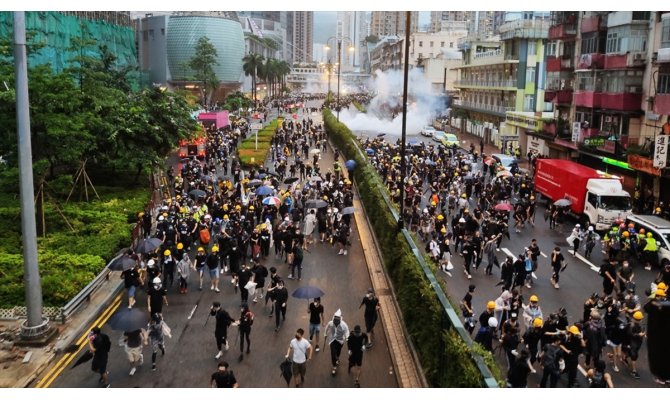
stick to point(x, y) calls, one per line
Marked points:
point(316, 178)
point(504, 207)
point(272, 201)
point(429, 162)
point(350, 164)
point(129, 319)
point(148, 245)
point(307, 292)
point(289, 181)
point(122, 263)
point(381, 135)
point(263, 191)
point(315, 204)
point(504, 174)
point(254, 182)
point(286, 368)
point(314, 151)
point(347, 211)
point(489, 161)
point(195, 193)
point(370, 151)
point(87, 356)
point(562, 203)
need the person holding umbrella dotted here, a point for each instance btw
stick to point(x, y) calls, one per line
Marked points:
point(302, 352)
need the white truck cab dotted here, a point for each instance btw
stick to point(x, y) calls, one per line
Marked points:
point(605, 202)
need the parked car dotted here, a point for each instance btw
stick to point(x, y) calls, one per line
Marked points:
point(438, 136)
point(450, 140)
point(504, 160)
point(427, 131)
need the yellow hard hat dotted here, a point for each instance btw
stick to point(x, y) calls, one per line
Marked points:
point(225, 207)
point(661, 285)
point(534, 298)
point(166, 253)
point(165, 214)
point(225, 216)
point(491, 304)
point(626, 234)
point(215, 249)
point(443, 230)
point(537, 322)
point(574, 330)
point(201, 249)
point(464, 196)
point(649, 234)
point(251, 208)
point(440, 217)
point(140, 215)
point(658, 209)
point(638, 316)
point(432, 203)
point(237, 207)
point(660, 292)
point(180, 246)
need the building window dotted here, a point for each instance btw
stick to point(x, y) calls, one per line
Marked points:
point(442, 43)
point(613, 42)
point(627, 38)
point(420, 54)
point(665, 34)
point(663, 84)
point(431, 43)
point(530, 74)
point(529, 103)
point(145, 36)
point(430, 55)
point(550, 49)
point(162, 31)
point(420, 43)
point(532, 49)
point(451, 45)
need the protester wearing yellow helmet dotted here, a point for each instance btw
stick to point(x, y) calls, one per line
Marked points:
point(649, 252)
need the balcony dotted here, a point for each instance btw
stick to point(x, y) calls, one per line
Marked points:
point(523, 28)
point(588, 99)
point(628, 60)
point(562, 32)
point(507, 84)
point(558, 96)
point(594, 23)
point(481, 107)
point(591, 61)
point(556, 64)
point(662, 103)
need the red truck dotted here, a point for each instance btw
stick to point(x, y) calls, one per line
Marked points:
point(596, 197)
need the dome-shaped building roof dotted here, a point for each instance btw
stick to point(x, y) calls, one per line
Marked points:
point(223, 31)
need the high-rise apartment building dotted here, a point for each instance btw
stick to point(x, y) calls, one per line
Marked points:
point(392, 23)
point(303, 36)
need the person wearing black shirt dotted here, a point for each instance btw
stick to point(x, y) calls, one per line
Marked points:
point(131, 280)
point(223, 377)
point(556, 264)
point(260, 273)
point(371, 313)
point(244, 324)
point(212, 262)
point(280, 299)
point(243, 278)
point(274, 280)
point(200, 263)
point(517, 377)
point(99, 344)
point(156, 298)
point(608, 273)
point(223, 321)
point(315, 311)
point(357, 342)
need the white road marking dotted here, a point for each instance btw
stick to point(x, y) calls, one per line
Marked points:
point(543, 255)
point(192, 312)
point(587, 262)
point(509, 253)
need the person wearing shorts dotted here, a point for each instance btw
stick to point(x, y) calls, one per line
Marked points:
point(371, 303)
point(302, 352)
point(356, 342)
point(315, 312)
point(133, 347)
point(200, 263)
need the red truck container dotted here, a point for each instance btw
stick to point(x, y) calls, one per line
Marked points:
point(595, 196)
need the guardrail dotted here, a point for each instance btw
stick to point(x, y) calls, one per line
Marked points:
point(452, 316)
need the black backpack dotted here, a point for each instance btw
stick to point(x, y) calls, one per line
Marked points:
point(106, 343)
point(598, 380)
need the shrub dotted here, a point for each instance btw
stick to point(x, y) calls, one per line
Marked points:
point(247, 150)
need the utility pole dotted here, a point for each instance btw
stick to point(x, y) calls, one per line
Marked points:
point(403, 163)
point(35, 326)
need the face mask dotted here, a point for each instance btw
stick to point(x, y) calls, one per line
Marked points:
point(336, 321)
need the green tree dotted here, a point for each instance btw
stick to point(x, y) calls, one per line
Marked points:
point(251, 63)
point(202, 64)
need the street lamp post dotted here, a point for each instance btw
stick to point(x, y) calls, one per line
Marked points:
point(339, 41)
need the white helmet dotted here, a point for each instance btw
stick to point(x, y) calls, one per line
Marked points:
point(493, 322)
point(578, 226)
point(590, 228)
point(151, 263)
point(156, 281)
point(335, 210)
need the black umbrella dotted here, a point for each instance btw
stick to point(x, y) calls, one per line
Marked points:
point(315, 204)
point(381, 134)
point(129, 319)
point(195, 193)
point(148, 245)
point(87, 356)
point(254, 182)
point(289, 181)
point(122, 263)
point(286, 368)
point(307, 292)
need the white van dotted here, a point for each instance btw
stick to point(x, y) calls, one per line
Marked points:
point(659, 227)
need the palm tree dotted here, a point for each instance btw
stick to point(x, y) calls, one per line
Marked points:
point(284, 68)
point(252, 62)
point(270, 74)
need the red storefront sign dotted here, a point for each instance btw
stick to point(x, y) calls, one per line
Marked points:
point(643, 164)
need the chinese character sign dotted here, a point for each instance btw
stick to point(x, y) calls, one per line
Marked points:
point(661, 151)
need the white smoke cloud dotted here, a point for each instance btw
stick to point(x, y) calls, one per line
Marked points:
point(423, 104)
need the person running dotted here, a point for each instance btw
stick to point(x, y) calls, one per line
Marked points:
point(517, 376)
point(223, 321)
point(212, 262)
point(244, 324)
point(302, 352)
point(556, 264)
point(274, 281)
point(156, 298)
point(99, 344)
point(156, 338)
point(280, 299)
point(371, 314)
point(315, 311)
point(133, 347)
point(467, 310)
point(357, 342)
point(260, 273)
point(131, 279)
point(632, 342)
point(337, 332)
point(223, 377)
point(200, 263)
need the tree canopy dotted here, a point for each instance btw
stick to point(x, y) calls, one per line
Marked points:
point(202, 64)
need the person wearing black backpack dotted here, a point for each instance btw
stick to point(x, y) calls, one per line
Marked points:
point(551, 356)
point(598, 378)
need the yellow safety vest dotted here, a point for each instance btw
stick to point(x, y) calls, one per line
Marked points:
point(651, 245)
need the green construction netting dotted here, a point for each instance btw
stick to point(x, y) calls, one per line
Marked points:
point(55, 31)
